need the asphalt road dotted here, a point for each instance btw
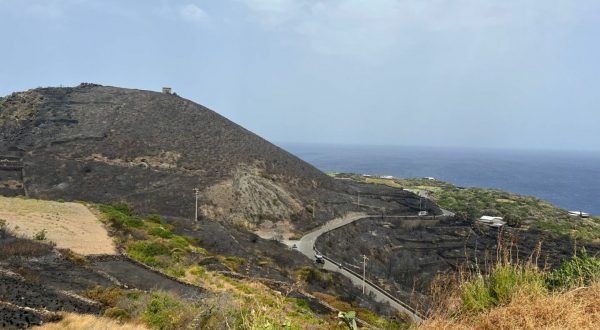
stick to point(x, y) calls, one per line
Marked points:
point(306, 245)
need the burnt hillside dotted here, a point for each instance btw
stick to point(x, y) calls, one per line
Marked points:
point(105, 144)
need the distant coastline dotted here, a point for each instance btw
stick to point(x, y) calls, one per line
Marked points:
point(570, 180)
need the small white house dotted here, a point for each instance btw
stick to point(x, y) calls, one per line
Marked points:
point(430, 178)
point(387, 177)
point(492, 221)
point(579, 214)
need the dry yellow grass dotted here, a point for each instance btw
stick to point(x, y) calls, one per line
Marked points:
point(69, 225)
point(81, 322)
point(576, 309)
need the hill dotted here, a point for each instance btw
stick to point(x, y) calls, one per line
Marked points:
point(150, 149)
point(106, 144)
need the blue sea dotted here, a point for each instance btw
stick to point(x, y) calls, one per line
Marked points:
point(570, 180)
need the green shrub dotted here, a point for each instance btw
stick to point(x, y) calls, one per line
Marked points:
point(198, 271)
point(476, 296)
point(579, 271)
point(40, 235)
point(508, 280)
point(146, 252)
point(107, 296)
point(166, 312)
point(233, 262)
point(176, 271)
point(134, 222)
point(501, 285)
point(315, 276)
point(123, 207)
point(117, 313)
point(155, 218)
point(178, 242)
point(120, 215)
point(160, 231)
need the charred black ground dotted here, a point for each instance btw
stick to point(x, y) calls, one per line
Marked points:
point(106, 144)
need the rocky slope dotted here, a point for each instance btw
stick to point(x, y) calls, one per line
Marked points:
point(151, 149)
point(106, 144)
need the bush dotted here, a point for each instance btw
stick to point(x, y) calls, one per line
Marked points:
point(106, 296)
point(579, 271)
point(147, 252)
point(312, 275)
point(120, 215)
point(40, 235)
point(118, 314)
point(160, 232)
point(476, 295)
point(123, 207)
point(233, 262)
point(166, 312)
point(74, 257)
point(501, 285)
point(178, 242)
point(154, 218)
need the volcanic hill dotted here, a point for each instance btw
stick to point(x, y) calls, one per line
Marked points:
point(105, 144)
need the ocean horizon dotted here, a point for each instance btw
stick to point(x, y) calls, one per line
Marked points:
point(568, 179)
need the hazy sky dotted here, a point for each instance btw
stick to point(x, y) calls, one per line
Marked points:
point(480, 73)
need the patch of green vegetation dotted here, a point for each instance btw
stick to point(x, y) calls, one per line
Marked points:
point(40, 235)
point(198, 271)
point(165, 311)
point(507, 280)
point(500, 286)
point(120, 215)
point(152, 241)
point(107, 296)
point(233, 262)
point(155, 218)
point(147, 251)
point(579, 271)
point(315, 276)
point(118, 314)
point(161, 231)
point(517, 210)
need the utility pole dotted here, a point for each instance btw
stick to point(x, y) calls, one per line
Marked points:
point(196, 193)
point(364, 272)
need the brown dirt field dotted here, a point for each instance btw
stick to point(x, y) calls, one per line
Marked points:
point(69, 225)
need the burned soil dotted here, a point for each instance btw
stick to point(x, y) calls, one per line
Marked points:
point(405, 255)
point(105, 144)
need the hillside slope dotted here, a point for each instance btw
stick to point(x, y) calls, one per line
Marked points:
point(150, 149)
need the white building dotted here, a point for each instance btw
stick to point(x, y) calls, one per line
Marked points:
point(579, 214)
point(492, 221)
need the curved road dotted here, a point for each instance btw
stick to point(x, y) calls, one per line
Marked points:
point(306, 245)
